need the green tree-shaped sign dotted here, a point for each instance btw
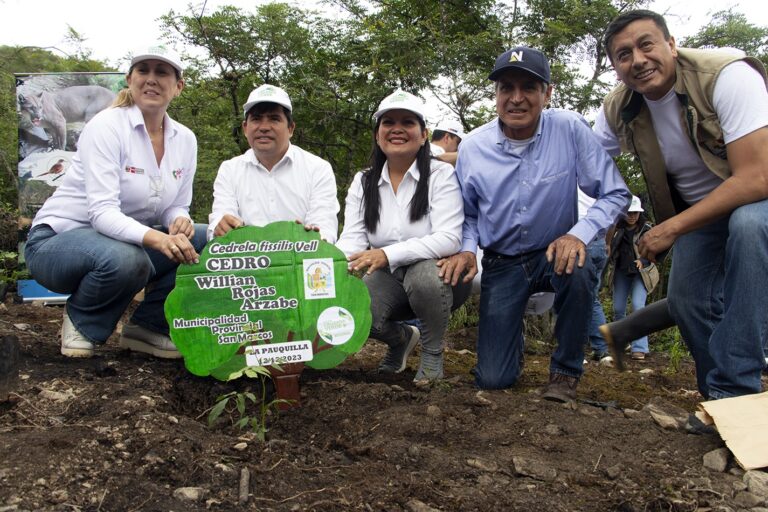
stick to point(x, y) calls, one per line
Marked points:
point(263, 296)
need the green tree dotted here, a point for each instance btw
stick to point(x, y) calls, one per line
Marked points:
point(731, 29)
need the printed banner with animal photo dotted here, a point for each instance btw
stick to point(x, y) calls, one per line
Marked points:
point(53, 108)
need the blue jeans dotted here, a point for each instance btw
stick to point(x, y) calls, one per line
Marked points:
point(596, 253)
point(629, 286)
point(506, 284)
point(102, 275)
point(413, 291)
point(716, 295)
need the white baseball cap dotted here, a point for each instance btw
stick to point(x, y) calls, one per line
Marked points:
point(635, 205)
point(453, 127)
point(267, 94)
point(157, 52)
point(401, 100)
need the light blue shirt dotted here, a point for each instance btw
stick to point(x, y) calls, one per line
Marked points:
point(520, 201)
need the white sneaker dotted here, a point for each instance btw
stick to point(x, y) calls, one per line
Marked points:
point(137, 338)
point(606, 361)
point(73, 344)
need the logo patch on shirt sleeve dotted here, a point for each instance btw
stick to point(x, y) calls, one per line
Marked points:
point(133, 170)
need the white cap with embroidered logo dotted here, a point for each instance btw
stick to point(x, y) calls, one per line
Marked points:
point(267, 94)
point(453, 127)
point(158, 52)
point(401, 100)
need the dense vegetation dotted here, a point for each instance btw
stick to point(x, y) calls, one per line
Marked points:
point(337, 66)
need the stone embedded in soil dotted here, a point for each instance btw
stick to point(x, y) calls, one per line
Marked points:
point(757, 483)
point(225, 468)
point(240, 446)
point(613, 472)
point(434, 411)
point(533, 469)
point(189, 493)
point(483, 465)
point(666, 415)
point(748, 500)
point(59, 496)
point(415, 505)
point(717, 460)
point(56, 396)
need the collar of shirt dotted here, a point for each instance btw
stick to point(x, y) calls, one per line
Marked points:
point(413, 172)
point(136, 118)
point(504, 141)
point(250, 156)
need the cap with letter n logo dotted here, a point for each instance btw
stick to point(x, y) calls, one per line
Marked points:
point(522, 57)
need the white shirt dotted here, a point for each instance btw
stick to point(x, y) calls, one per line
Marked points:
point(115, 185)
point(436, 235)
point(301, 186)
point(741, 103)
point(435, 149)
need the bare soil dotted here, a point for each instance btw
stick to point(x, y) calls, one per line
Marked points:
point(124, 432)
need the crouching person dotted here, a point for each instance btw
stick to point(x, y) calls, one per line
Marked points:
point(519, 174)
point(119, 222)
point(402, 215)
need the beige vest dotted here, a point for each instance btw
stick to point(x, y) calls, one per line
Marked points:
point(629, 118)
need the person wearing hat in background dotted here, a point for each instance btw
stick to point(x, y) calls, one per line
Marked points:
point(274, 180)
point(519, 174)
point(697, 121)
point(627, 282)
point(446, 138)
point(401, 215)
point(120, 220)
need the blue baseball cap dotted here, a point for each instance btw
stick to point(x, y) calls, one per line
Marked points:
point(522, 57)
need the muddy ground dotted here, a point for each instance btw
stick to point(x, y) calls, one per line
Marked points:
point(123, 432)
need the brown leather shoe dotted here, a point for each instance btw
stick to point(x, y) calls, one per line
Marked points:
point(638, 356)
point(561, 388)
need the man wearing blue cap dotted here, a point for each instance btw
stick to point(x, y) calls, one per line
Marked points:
point(519, 174)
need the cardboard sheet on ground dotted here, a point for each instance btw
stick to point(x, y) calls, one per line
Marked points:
point(263, 296)
point(742, 423)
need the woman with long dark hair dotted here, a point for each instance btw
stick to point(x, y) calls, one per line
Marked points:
point(403, 214)
point(120, 219)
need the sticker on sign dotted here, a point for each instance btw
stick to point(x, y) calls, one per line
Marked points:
point(278, 353)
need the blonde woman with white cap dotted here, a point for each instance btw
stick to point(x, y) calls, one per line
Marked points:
point(403, 214)
point(120, 219)
point(627, 282)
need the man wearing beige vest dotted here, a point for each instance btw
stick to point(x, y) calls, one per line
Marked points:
point(697, 122)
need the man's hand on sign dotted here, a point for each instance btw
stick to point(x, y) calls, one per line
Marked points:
point(309, 227)
point(226, 224)
point(370, 260)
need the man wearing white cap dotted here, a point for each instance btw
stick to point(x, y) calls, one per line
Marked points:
point(446, 138)
point(274, 180)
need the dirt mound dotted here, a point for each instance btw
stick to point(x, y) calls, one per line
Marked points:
point(123, 432)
